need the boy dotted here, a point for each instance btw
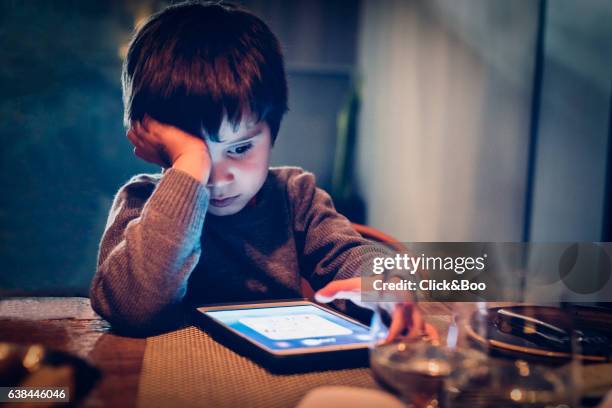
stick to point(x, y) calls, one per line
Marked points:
point(205, 91)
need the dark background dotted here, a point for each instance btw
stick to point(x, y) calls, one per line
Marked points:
point(64, 153)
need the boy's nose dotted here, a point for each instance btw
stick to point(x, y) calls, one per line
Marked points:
point(220, 175)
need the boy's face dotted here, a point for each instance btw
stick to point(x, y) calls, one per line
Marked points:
point(240, 163)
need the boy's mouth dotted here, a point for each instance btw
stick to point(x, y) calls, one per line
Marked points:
point(223, 202)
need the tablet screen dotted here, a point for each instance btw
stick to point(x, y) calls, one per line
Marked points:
point(291, 327)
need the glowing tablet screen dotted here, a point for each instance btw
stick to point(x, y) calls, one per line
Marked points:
point(290, 327)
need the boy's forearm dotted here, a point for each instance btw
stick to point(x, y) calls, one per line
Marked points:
point(147, 254)
point(136, 287)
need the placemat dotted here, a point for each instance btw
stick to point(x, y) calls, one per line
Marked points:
point(187, 368)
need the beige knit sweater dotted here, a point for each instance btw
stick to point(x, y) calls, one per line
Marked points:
point(161, 254)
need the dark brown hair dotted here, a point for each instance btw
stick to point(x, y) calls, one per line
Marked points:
point(194, 62)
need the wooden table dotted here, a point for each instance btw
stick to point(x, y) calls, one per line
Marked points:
point(69, 324)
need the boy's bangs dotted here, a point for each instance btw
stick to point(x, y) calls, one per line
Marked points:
point(197, 101)
point(210, 119)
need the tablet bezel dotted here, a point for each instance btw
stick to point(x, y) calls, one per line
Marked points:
point(280, 353)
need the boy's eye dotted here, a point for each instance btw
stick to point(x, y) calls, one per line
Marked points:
point(240, 149)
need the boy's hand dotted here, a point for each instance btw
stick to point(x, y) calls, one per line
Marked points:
point(406, 319)
point(169, 146)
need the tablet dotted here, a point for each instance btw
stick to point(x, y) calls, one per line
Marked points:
point(288, 336)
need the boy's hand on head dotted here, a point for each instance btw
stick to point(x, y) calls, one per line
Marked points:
point(143, 148)
point(169, 146)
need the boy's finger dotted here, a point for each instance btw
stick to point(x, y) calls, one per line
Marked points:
point(146, 123)
point(151, 125)
point(139, 129)
point(341, 294)
point(432, 333)
point(399, 323)
point(134, 126)
point(135, 140)
point(338, 289)
point(157, 128)
point(147, 150)
point(417, 327)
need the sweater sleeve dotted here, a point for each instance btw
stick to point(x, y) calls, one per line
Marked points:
point(332, 249)
point(149, 248)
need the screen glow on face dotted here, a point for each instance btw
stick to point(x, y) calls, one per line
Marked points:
point(290, 327)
